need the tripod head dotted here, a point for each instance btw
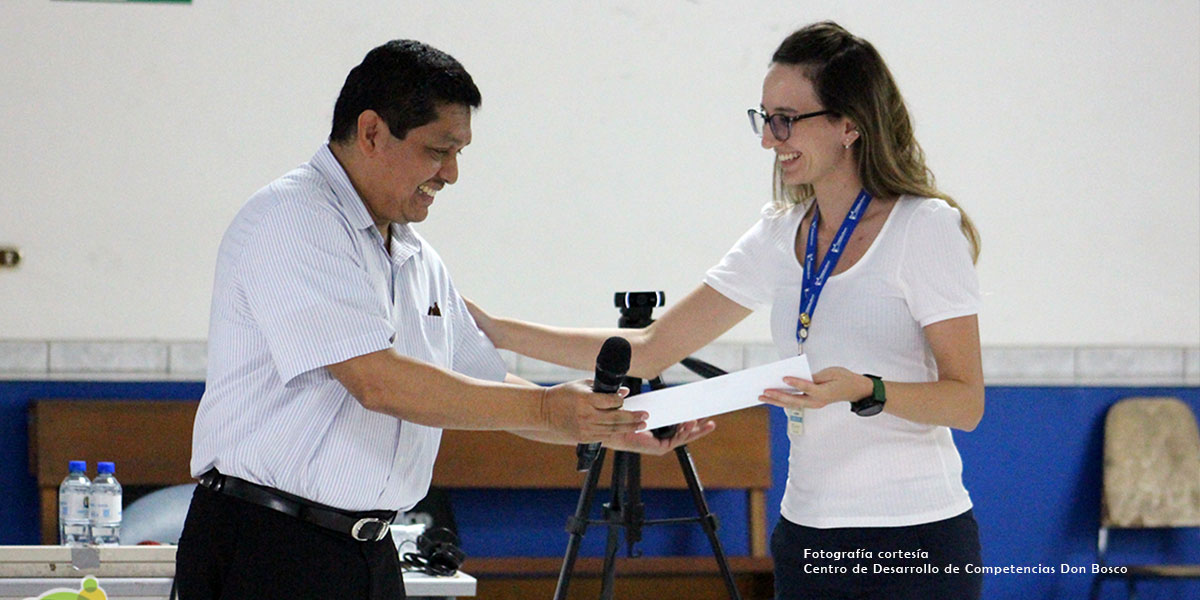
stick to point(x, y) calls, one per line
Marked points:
point(636, 307)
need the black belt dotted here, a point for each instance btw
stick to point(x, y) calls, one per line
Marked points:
point(371, 526)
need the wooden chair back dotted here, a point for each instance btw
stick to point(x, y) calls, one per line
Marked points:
point(149, 440)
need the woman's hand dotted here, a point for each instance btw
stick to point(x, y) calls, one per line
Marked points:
point(834, 384)
point(484, 321)
point(644, 442)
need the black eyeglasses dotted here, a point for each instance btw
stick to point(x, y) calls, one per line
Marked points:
point(781, 125)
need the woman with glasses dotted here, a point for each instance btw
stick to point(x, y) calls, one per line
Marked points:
point(874, 505)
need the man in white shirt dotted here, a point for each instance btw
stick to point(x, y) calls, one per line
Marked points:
point(339, 348)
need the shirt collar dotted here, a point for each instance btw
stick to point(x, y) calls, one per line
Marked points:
point(405, 243)
point(352, 204)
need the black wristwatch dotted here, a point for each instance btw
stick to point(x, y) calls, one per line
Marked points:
point(873, 404)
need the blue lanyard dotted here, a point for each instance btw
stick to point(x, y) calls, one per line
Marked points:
point(815, 282)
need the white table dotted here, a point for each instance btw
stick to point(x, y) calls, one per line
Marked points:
point(142, 573)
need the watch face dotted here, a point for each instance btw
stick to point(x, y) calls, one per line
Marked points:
point(867, 407)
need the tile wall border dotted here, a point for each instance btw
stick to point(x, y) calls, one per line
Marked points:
point(185, 360)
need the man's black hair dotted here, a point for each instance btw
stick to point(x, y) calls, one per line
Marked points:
point(404, 81)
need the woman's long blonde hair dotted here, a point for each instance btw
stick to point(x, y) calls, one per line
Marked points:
point(851, 79)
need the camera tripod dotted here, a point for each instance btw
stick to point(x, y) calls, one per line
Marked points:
point(625, 509)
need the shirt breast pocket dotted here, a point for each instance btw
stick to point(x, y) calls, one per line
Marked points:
point(436, 331)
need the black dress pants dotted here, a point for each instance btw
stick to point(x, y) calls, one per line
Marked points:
point(921, 562)
point(231, 549)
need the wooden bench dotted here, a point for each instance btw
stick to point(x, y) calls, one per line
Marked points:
point(150, 441)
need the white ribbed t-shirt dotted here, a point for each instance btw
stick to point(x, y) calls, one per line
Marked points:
point(845, 470)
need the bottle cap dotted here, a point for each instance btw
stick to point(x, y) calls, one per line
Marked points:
point(77, 465)
point(105, 467)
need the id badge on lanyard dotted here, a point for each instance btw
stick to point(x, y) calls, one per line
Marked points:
point(814, 282)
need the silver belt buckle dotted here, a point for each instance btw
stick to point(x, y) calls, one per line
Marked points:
point(357, 529)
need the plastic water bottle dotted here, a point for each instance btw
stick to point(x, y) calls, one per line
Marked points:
point(74, 528)
point(105, 506)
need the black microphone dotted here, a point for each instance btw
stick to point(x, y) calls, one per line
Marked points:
point(611, 365)
point(702, 368)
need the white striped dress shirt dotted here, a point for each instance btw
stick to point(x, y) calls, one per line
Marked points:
point(302, 282)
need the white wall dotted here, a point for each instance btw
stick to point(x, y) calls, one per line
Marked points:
point(612, 151)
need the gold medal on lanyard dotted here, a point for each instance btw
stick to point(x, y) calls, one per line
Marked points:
point(814, 282)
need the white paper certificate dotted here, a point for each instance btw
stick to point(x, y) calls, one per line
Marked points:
point(718, 395)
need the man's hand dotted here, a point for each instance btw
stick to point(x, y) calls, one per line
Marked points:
point(644, 442)
point(585, 416)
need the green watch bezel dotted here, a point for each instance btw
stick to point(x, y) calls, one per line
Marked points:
point(873, 404)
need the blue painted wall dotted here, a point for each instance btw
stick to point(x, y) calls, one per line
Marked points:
point(1032, 466)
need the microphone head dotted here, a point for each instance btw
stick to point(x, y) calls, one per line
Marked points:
point(611, 364)
point(614, 355)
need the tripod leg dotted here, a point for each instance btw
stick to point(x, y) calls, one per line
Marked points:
point(614, 513)
point(635, 509)
point(707, 520)
point(577, 524)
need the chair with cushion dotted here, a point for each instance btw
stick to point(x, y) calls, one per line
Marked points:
point(158, 516)
point(1151, 480)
